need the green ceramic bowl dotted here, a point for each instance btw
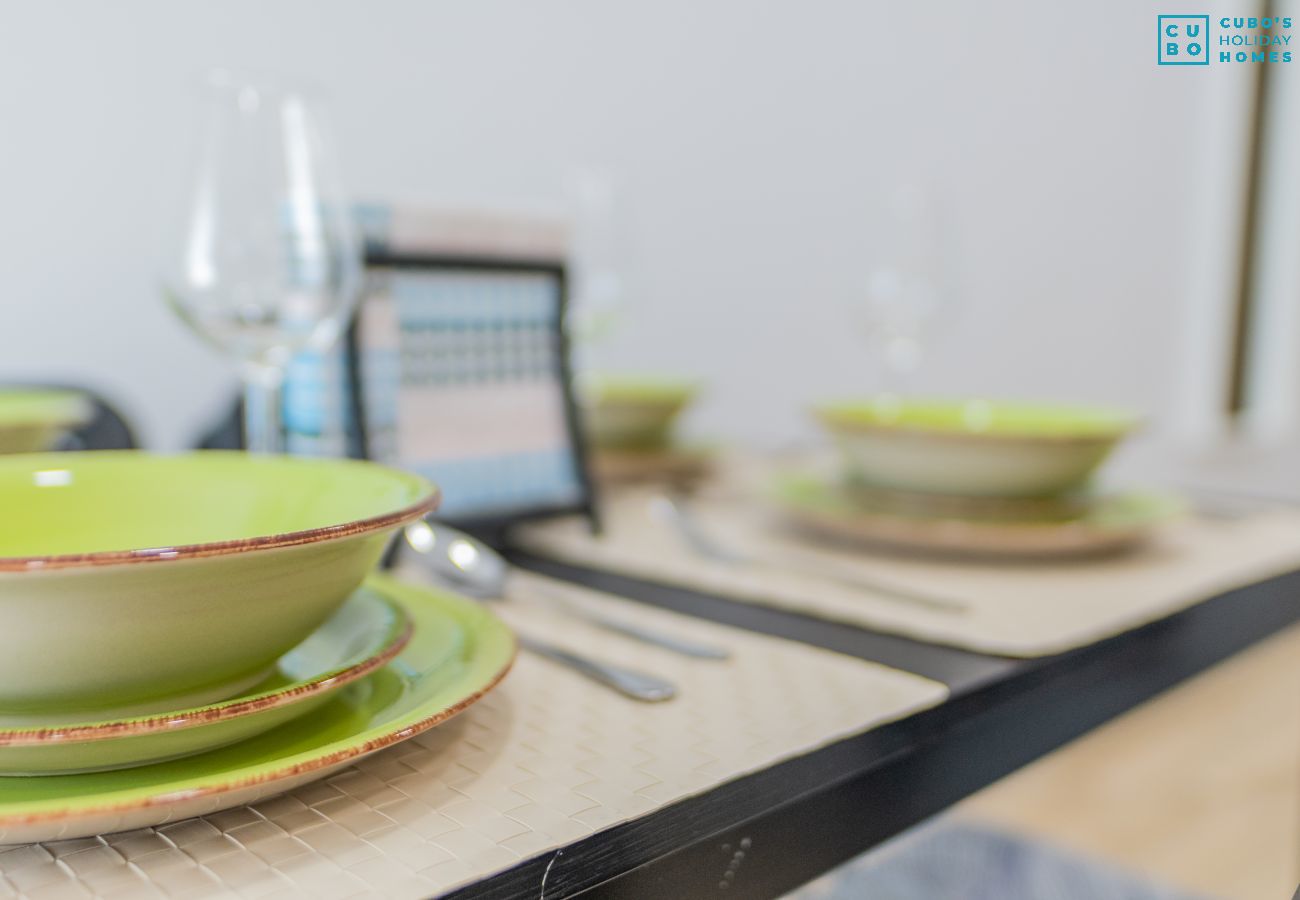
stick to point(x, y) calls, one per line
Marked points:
point(976, 448)
point(140, 583)
point(33, 420)
point(627, 413)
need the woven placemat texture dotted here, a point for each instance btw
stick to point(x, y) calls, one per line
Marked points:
point(1011, 608)
point(546, 759)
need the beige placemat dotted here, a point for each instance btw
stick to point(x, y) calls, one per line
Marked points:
point(546, 759)
point(1017, 609)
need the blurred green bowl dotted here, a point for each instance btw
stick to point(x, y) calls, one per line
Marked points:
point(627, 413)
point(976, 448)
point(34, 420)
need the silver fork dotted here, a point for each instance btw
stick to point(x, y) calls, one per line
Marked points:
point(629, 682)
point(675, 514)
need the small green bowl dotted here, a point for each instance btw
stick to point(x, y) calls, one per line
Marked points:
point(139, 582)
point(630, 413)
point(975, 448)
point(34, 420)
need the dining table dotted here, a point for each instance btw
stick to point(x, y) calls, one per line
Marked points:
point(802, 817)
point(757, 831)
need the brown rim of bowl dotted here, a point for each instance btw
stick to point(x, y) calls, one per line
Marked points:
point(225, 548)
point(214, 712)
point(304, 768)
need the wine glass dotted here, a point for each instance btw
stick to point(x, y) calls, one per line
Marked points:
point(267, 262)
point(907, 288)
point(598, 256)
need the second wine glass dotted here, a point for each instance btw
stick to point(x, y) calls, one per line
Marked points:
point(908, 288)
point(267, 263)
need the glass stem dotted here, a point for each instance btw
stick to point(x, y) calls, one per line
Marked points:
point(901, 358)
point(262, 429)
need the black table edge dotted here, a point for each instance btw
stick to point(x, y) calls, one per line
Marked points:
point(799, 818)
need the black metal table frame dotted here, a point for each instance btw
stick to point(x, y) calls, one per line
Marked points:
point(798, 819)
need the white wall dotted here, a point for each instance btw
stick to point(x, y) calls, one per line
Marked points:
point(755, 139)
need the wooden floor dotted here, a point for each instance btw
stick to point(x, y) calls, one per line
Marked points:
point(1199, 787)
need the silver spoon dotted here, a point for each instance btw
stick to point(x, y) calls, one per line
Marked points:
point(479, 571)
point(675, 514)
point(465, 564)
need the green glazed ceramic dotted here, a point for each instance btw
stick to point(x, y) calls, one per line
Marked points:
point(143, 583)
point(33, 420)
point(681, 465)
point(1050, 508)
point(633, 413)
point(974, 448)
point(1102, 524)
point(458, 653)
point(367, 632)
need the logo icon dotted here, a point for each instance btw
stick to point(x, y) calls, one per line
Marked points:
point(1183, 40)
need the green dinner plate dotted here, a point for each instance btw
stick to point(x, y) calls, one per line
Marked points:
point(1105, 523)
point(676, 463)
point(366, 633)
point(458, 652)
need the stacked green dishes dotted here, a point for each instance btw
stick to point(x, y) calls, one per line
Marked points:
point(457, 653)
point(972, 477)
point(146, 607)
point(34, 420)
point(634, 414)
point(132, 583)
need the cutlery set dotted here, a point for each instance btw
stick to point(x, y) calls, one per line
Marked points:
point(471, 567)
point(676, 514)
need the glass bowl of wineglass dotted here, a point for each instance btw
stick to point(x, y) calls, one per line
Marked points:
point(265, 261)
point(908, 291)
